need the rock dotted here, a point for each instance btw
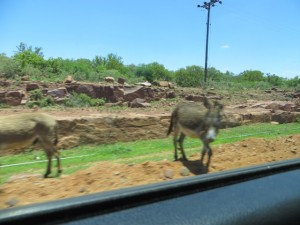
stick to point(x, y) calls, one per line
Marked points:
point(109, 79)
point(121, 80)
point(13, 98)
point(273, 106)
point(170, 94)
point(110, 93)
point(4, 83)
point(168, 173)
point(25, 78)
point(195, 98)
point(138, 103)
point(171, 85)
point(12, 202)
point(58, 93)
point(284, 117)
point(32, 86)
point(69, 79)
point(82, 189)
point(138, 92)
point(163, 83)
point(144, 84)
point(184, 171)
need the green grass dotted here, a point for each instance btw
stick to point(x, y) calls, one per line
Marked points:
point(134, 152)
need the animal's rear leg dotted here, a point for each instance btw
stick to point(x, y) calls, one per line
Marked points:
point(180, 140)
point(57, 156)
point(48, 170)
point(175, 147)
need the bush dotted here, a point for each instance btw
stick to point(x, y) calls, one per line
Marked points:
point(9, 68)
point(38, 99)
point(191, 76)
point(83, 100)
point(36, 95)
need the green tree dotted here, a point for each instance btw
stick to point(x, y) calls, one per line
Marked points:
point(214, 74)
point(191, 76)
point(9, 67)
point(274, 79)
point(153, 71)
point(27, 56)
point(251, 75)
point(111, 62)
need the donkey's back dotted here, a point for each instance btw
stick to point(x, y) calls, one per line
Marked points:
point(21, 130)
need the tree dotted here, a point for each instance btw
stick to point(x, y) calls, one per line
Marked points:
point(111, 62)
point(274, 79)
point(153, 71)
point(27, 56)
point(214, 74)
point(251, 75)
point(8, 67)
point(191, 76)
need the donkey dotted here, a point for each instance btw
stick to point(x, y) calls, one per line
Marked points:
point(198, 121)
point(22, 130)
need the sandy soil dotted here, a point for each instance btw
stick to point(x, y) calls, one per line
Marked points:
point(104, 176)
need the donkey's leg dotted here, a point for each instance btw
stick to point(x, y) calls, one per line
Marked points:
point(48, 170)
point(175, 144)
point(180, 140)
point(57, 156)
point(206, 149)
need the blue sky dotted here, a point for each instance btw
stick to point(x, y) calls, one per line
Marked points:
point(244, 35)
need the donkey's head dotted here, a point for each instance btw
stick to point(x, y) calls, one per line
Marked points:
point(212, 120)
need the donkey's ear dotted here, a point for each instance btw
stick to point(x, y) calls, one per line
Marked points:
point(206, 103)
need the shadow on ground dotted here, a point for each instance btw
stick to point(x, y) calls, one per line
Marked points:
point(196, 167)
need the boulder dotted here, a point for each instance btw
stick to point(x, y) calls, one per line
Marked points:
point(69, 79)
point(138, 92)
point(109, 79)
point(163, 83)
point(138, 103)
point(25, 78)
point(110, 93)
point(13, 98)
point(121, 80)
point(144, 84)
point(32, 86)
point(195, 98)
point(170, 94)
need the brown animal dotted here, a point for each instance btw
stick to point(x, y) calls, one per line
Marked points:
point(198, 121)
point(22, 130)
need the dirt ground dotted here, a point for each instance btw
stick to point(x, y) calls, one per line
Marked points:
point(104, 176)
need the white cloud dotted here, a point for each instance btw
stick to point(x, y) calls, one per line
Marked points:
point(225, 46)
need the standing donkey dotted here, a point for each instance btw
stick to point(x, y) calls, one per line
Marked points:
point(198, 121)
point(22, 130)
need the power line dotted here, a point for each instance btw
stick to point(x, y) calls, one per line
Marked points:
point(207, 5)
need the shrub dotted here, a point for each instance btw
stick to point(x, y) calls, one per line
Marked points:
point(38, 99)
point(36, 95)
point(83, 100)
point(9, 68)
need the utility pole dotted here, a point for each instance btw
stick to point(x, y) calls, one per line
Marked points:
point(207, 5)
